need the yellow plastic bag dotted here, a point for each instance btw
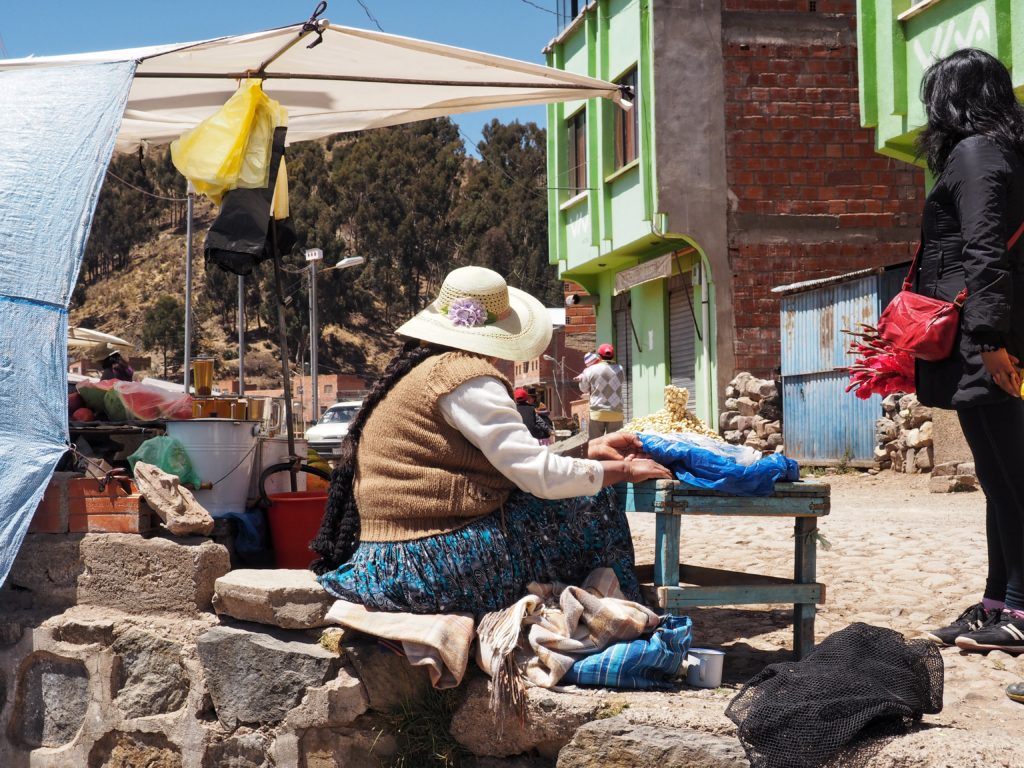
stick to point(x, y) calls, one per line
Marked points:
point(231, 148)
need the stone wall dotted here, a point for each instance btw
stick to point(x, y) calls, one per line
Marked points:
point(753, 413)
point(907, 442)
point(123, 651)
point(903, 436)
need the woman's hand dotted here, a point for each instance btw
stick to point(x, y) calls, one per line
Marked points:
point(1002, 367)
point(638, 470)
point(615, 446)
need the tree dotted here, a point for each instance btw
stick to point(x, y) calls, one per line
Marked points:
point(502, 213)
point(164, 327)
point(397, 189)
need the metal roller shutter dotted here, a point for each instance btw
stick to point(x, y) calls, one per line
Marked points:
point(624, 349)
point(682, 336)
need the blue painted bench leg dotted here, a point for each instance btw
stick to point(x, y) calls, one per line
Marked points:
point(666, 550)
point(804, 573)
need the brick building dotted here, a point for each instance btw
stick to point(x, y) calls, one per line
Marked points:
point(809, 196)
point(742, 166)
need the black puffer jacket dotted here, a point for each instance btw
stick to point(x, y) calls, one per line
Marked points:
point(976, 205)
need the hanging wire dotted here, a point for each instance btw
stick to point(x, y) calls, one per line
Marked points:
point(370, 15)
point(540, 7)
point(146, 192)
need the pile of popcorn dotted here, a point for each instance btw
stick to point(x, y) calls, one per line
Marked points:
point(673, 417)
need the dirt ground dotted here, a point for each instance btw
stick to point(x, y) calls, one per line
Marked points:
point(900, 557)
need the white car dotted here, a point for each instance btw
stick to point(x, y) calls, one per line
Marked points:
point(326, 435)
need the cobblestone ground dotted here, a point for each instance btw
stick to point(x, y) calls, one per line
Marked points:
point(900, 557)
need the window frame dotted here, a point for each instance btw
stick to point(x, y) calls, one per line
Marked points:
point(626, 127)
point(576, 151)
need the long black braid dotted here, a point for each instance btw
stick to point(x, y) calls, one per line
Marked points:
point(339, 532)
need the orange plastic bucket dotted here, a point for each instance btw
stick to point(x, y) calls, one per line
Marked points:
point(294, 520)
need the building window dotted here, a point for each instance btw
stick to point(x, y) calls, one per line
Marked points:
point(577, 125)
point(328, 389)
point(627, 124)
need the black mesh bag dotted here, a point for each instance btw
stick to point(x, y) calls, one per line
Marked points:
point(859, 683)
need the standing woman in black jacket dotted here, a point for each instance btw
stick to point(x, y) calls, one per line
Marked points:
point(974, 145)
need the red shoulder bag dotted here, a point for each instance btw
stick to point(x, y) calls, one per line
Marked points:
point(923, 327)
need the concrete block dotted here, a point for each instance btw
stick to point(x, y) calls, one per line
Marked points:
point(389, 679)
point(339, 702)
point(47, 568)
point(156, 575)
point(257, 677)
point(617, 743)
point(287, 598)
point(551, 720)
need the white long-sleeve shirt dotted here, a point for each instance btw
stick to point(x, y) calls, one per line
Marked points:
point(483, 412)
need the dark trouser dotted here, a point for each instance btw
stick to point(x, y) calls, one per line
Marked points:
point(995, 434)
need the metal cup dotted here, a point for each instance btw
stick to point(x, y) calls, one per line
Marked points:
point(704, 668)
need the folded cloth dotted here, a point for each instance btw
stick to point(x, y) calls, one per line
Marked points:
point(563, 624)
point(439, 642)
point(640, 664)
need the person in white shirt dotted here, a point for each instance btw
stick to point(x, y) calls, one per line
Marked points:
point(443, 501)
point(604, 381)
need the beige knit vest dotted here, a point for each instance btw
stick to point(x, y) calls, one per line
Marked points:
point(417, 476)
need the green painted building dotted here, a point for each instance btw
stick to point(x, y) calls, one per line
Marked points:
point(898, 39)
point(610, 230)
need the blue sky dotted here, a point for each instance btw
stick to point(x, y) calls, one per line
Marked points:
point(515, 28)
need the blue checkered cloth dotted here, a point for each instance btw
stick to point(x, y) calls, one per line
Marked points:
point(639, 664)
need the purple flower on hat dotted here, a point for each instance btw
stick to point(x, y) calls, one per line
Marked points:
point(467, 313)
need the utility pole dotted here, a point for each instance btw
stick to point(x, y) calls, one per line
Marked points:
point(313, 256)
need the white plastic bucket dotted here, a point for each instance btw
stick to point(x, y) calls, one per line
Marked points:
point(274, 450)
point(222, 452)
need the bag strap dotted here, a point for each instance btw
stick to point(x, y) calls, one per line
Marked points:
point(961, 297)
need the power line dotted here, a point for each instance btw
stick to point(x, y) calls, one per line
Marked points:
point(370, 15)
point(540, 7)
point(146, 192)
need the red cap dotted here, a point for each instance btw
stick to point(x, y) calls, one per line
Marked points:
point(521, 395)
point(607, 351)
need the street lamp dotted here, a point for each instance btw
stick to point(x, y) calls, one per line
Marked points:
point(314, 256)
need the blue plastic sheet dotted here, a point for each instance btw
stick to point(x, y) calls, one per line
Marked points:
point(639, 664)
point(58, 134)
point(718, 470)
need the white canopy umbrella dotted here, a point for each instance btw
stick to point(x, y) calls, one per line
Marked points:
point(86, 339)
point(331, 79)
point(353, 80)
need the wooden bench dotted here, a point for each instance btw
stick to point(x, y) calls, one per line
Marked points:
point(676, 585)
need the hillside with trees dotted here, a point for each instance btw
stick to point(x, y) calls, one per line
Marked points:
point(409, 199)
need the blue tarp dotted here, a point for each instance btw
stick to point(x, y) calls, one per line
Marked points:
point(57, 136)
point(704, 465)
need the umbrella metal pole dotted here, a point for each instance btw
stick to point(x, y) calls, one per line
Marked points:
point(314, 333)
point(282, 329)
point(241, 335)
point(188, 286)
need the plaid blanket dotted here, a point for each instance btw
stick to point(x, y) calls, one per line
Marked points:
point(439, 642)
point(556, 633)
point(562, 625)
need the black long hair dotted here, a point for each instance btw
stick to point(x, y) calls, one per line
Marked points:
point(339, 531)
point(967, 93)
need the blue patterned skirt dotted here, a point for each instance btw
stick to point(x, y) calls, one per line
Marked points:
point(486, 565)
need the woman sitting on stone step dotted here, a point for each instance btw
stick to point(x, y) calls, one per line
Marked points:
point(443, 502)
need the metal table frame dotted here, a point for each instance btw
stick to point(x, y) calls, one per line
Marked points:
point(673, 585)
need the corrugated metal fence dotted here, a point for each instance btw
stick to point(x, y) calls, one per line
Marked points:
point(822, 424)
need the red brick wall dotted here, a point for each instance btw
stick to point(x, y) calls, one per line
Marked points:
point(811, 196)
point(580, 318)
point(799, 6)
